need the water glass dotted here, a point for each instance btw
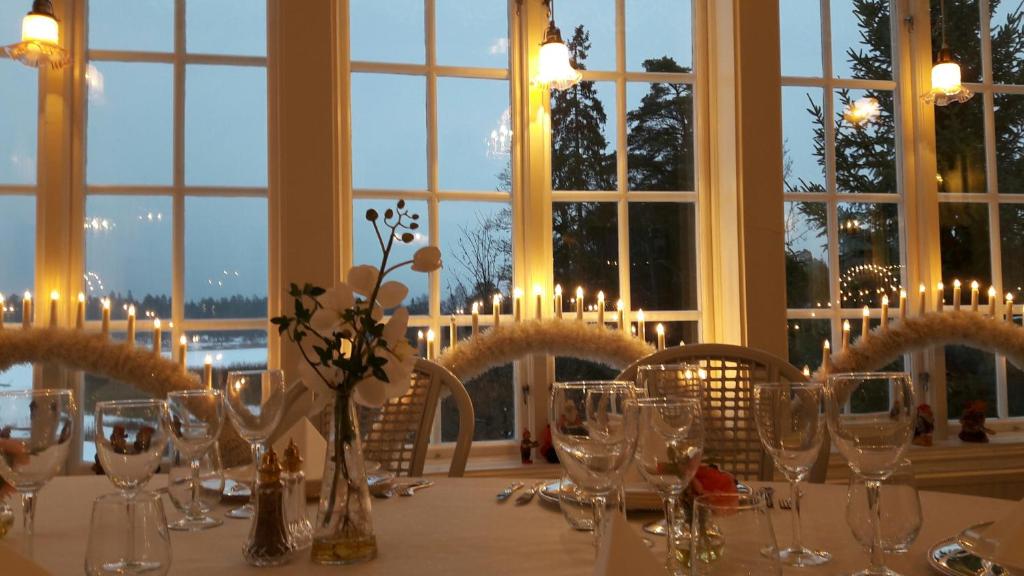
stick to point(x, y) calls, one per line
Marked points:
point(901, 517)
point(133, 545)
point(871, 419)
point(594, 432)
point(196, 418)
point(790, 423)
point(36, 427)
point(255, 400)
point(732, 535)
point(131, 436)
point(211, 480)
point(669, 447)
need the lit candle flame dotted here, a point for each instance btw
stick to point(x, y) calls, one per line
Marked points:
point(54, 295)
point(620, 305)
point(558, 289)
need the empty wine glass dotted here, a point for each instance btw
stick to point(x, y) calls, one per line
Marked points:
point(35, 435)
point(211, 480)
point(255, 402)
point(669, 446)
point(594, 432)
point(131, 436)
point(790, 421)
point(901, 518)
point(871, 419)
point(144, 546)
point(730, 534)
point(196, 418)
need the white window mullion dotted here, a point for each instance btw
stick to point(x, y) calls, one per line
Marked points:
point(178, 233)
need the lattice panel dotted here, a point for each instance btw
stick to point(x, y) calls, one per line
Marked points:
point(390, 432)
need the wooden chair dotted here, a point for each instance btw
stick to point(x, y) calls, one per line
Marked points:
point(731, 439)
point(397, 435)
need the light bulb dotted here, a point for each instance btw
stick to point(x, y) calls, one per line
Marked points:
point(555, 62)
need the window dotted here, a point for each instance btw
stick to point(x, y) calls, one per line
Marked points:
point(176, 184)
point(842, 186)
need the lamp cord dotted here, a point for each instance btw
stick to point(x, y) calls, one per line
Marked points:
point(942, 17)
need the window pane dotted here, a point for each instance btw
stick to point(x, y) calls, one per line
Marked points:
point(17, 377)
point(1009, 117)
point(226, 257)
point(869, 254)
point(586, 248)
point(960, 147)
point(1014, 390)
point(807, 255)
point(19, 92)
point(803, 139)
point(17, 252)
point(660, 136)
point(970, 376)
point(226, 27)
point(229, 350)
point(589, 25)
point(659, 30)
point(806, 339)
point(676, 333)
point(583, 137)
point(964, 244)
point(663, 256)
point(11, 14)
point(1007, 22)
point(226, 126)
point(1011, 229)
point(800, 33)
point(389, 31)
point(389, 138)
point(861, 39)
point(476, 247)
point(472, 33)
point(139, 25)
point(962, 34)
point(494, 407)
point(367, 250)
point(131, 259)
point(865, 154)
point(130, 123)
point(474, 134)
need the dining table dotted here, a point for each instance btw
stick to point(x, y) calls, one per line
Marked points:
point(458, 527)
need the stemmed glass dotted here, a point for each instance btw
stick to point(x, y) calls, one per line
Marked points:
point(255, 402)
point(196, 418)
point(669, 447)
point(131, 436)
point(790, 421)
point(871, 419)
point(594, 432)
point(35, 434)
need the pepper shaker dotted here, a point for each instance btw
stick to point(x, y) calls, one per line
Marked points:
point(268, 543)
point(299, 527)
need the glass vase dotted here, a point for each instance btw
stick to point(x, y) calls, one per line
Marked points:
point(343, 533)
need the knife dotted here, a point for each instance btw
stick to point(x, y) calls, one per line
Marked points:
point(507, 492)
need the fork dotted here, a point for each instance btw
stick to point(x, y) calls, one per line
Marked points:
point(410, 489)
point(769, 496)
point(786, 504)
point(507, 492)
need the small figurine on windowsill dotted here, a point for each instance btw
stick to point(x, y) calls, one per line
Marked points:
point(526, 447)
point(547, 447)
point(972, 423)
point(924, 425)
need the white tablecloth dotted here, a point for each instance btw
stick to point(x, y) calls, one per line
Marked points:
point(457, 528)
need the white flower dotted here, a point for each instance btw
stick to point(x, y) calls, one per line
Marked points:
point(401, 359)
point(363, 278)
point(427, 259)
point(335, 301)
point(391, 294)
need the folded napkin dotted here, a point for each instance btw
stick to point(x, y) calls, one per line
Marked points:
point(623, 553)
point(312, 447)
point(1008, 534)
point(14, 563)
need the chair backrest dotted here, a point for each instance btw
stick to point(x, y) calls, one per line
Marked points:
point(397, 435)
point(731, 439)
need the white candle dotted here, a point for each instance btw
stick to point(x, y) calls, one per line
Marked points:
point(807, 371)
point(80, 312)
point(865, 325)
point(517, 305)
point(579, 303)
point(182, 352)
point(974, 296)
point(903, 304)
point(208, 371)
point(600, 309)
point(846, 334)
point(26, 310)
point(940, 297)
point(54, 299)
point(453, 332)
point(660, 329)
point(430, 344)
point(496, 308)
point(641, 326)
point(421, 344)
point(476, 318)
point(620, 306)
point(156, 336)
point(885, 312)
point(558, 301)
point(956, 295)
point(826, 356)
point(105, 322)
point(131, 325)
point(992, 301)
point(538, 294)
point(1009, 307)
point(922, 303)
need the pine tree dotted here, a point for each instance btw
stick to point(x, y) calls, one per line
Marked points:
point(661, 135)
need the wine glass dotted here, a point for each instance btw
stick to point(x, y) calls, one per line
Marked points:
point(594, 432)
point(901, 519)
point(789, 421)
point(730, 533)
point(131, 436)
point(35, 435)
point(196, 418)
point(147, 549)
point(871, 419)
point(255, 402)
point(669, 446)
point(211, 480)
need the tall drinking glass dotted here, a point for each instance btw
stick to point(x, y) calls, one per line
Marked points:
point(594, 429)
point(790, 421)
point(35, 434)
point(871, 419)
point(730, 534)
point(196, 418)
point(108, 550)
point(669, 447)
point(255, 402)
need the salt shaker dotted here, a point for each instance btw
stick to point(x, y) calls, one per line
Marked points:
point(268, 544)
point(299, 527)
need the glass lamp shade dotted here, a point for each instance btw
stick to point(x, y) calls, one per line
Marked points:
point(555, 62)
point(40, 38)
point(946, 83)
point(40, 28)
